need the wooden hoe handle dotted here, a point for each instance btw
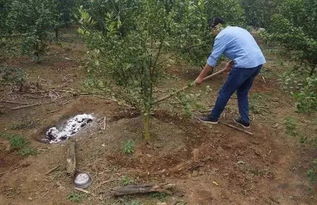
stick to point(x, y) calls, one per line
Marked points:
point(187, 86)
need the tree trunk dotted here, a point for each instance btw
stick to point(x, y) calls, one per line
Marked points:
point(56, 34)
point(312, 71)
point(146, 126)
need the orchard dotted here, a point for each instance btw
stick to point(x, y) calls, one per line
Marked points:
point(109, 88)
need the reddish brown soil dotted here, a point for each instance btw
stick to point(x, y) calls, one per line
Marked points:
point(208, 164)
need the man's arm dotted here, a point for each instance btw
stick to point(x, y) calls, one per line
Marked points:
point(208, 68)
point(218, 49)
point(203, 74)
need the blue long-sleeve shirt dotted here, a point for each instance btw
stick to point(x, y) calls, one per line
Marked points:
point(238, 45)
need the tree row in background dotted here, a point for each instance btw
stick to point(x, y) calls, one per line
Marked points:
point(180, 28)
point(31, 24)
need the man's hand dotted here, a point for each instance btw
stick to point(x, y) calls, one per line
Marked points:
point(203, 74)
point(198, 80)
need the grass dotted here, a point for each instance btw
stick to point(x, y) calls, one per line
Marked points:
point(160, 196)
point(125, 180)
point(26, 151)
point(19, 143)
point(290, 126)
point(128, 147)
point(76, 197)
point(258, 103)
point(312, 172)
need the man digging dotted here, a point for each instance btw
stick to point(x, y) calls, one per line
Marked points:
point(246, 62)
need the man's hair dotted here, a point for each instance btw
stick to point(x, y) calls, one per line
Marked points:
point(215, 21)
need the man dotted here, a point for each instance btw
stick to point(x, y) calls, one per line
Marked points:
point(246, 61)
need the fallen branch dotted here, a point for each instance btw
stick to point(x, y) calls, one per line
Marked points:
point(32, 105)
point(13, 102)
point(237, 128)
point(71, 159)
point(142, 189)
point(52, 170)
point(26, 106)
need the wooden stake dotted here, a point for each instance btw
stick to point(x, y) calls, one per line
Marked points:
point(71, 159)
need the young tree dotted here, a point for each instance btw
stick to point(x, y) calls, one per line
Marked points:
point(34, 21)
point(4, 11)
point(64, 11)
point(295, 29)
point(258, 13)
point(130, 56)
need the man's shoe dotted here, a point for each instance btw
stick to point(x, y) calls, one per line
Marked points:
point(208, 120)
point(241, 123)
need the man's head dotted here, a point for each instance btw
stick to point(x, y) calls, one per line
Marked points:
point(216, 24)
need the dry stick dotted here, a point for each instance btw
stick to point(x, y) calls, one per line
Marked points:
point(82, 190)
point(141, 189)
point(32, 105)
point(187, 86)
point(52, 170)
point(13, 102)
point(26, 106)
point(237, 128)
point(104, 123)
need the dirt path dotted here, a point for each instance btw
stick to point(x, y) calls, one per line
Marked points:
point(208, 164)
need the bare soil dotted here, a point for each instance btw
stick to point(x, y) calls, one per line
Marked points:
point(209, 164)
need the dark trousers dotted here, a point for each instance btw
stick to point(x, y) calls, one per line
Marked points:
point(240, 80)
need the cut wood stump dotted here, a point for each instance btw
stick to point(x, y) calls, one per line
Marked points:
point(142, 189)
point(71, 158)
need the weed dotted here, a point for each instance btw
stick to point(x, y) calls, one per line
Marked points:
point(312, 172)
point(290, 126)
point(26, 151)
point(76, 197)
point(128, 147)
point(127, 180)
point(189, 102)
point(258, 103)
point(17, 142)
point(160, 196)
point(14, 76)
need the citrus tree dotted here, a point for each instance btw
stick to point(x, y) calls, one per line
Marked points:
point(65, 13)
point(258, 13)
point(128, 54)
point(33, 21)
point(294, 27)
